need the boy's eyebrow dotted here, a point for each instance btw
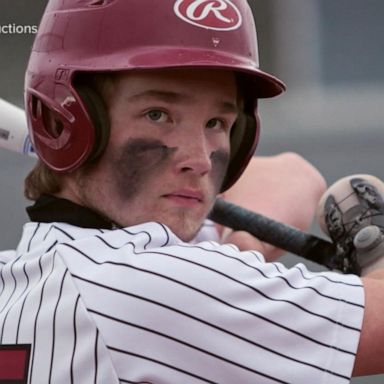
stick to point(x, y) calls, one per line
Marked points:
point(180, 98)
point(167, 96)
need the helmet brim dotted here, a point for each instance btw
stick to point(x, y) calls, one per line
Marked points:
point(262, 84)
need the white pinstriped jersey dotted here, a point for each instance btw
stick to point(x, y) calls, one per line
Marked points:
point(136, 305)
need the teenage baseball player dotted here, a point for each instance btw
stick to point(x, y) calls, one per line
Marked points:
point(141, 113)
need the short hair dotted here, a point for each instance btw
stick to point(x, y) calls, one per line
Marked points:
point(41, 181)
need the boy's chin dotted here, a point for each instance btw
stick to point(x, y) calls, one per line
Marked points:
point(186, 232)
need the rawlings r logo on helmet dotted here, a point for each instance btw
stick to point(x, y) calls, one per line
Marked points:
point(220, 15)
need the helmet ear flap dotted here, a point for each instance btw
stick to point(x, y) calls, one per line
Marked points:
point(98, 115)
point(244, 139)
point(65, 136)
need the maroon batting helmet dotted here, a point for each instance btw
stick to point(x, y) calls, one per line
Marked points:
point(90, 36)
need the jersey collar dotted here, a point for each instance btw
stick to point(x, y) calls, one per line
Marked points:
point(48, 209)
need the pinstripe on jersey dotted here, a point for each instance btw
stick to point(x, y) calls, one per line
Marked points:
point(136, 305)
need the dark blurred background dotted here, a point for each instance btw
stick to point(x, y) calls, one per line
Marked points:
point(328, 52)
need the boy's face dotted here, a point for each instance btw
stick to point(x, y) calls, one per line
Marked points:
point(168, 150)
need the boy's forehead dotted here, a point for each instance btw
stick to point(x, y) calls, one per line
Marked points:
point(178, 85)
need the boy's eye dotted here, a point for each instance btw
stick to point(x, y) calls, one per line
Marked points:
point(157, 115)
point(215, 124)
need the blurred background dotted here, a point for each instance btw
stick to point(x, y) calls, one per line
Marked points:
point(330, 53)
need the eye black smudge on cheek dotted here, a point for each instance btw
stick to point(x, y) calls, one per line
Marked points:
point(220, 162)
point(140, 160)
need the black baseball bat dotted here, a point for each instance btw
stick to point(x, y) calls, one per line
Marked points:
point(275, 233)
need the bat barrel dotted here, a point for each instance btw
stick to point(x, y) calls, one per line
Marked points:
point(13, 129)
point(270, 231)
